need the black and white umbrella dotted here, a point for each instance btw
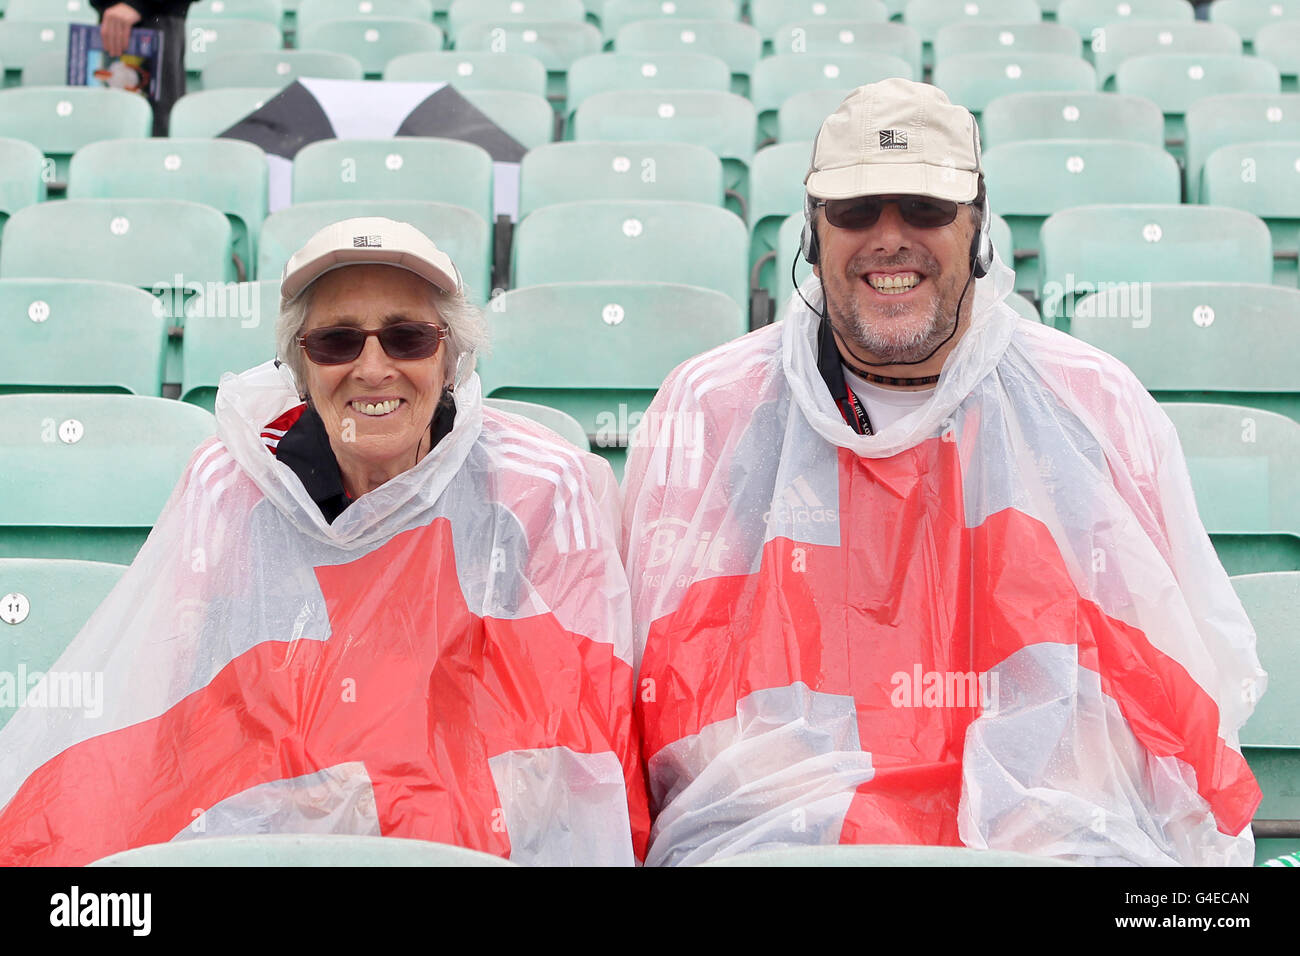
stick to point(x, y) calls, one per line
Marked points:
point(308, 110)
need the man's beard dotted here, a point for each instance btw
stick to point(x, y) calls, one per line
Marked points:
point(888, 342)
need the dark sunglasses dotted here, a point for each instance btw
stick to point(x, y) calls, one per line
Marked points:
point(340, 344)
point(863, 211)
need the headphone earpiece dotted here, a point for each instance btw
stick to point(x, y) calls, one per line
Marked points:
point(808, 244)
point(981, 246)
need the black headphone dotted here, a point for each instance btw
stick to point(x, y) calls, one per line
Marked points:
point(981, 244)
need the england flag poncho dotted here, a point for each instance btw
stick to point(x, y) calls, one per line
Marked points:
point(997, 623)
point(449, 661)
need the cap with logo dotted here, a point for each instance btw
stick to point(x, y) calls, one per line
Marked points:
point(896, 137)
point(368, 240)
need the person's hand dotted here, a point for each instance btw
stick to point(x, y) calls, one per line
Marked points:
point(115, 27)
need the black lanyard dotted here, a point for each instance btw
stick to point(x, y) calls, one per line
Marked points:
point(828, 363)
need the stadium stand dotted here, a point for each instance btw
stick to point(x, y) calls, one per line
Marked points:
point(1262, 178)
point(80, 335)
point(311, 13)
point(46, 68)
point(1242, 462)
point(269, 11)
point(47, 601)
point(616, 14)
point(623, 338)
point(1271, 738)
point(777, 78)
point(835, 37)
point(23, 40)
point(603, 72)
point(1021, 116)
point(270, 68)
point(1279, 43)
point(976, 79)
point(982, 37)
point(301, 850)
point(21, 180)
point(471, 71)
point(557, 43)
point(374, 41)
point(407, 167)
point(210, 39)
point(796, 119)
point(570, 172)
point(461, 13)
point(212, 112)
point(1087, 17)
point(1116, 42)
point(564, 425)
point(86, 476)
point(60, 120)
point(226, 174)
point(736, 44)
point(74, 11)
point(1224, 342)
point(928, 16)
point(528, 118)
point(228, 329)
point(1249, 17)
point(768, 16)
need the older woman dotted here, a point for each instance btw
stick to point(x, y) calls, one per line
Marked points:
point(371, 606)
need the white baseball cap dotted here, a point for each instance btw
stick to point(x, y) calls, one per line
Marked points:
point(368, 240)
point(896, 137)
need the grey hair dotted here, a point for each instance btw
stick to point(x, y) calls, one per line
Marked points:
point(467, 333)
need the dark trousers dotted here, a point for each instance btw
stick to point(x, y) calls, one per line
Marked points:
point(173, 67)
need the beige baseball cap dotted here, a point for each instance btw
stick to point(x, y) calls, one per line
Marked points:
point(368, 240)
point(896, 136)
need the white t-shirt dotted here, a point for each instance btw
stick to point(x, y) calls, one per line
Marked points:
point(884, 406)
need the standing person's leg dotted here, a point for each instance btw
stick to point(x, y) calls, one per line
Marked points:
point(173, 68)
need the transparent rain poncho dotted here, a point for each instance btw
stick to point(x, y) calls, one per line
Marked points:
point(997, 623)
point(450, 660)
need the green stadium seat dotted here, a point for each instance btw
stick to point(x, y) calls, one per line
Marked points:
point(801, 116)
point(47, 68)
point(1000, 236)
point(86, 476)
point(723, 122)
point(736, 44)
point(563, 424)
point(603, 72)
point(787, 244)
point(1248, 17)
point(312, 13)
point(270, 68)
point(372, 40)
point(1201, 341)
point(1243, 463)
point(974, 80)
point(928, 16)
point(46, 601)
point(634, 240)
point(209, 39)
point(1271, 738)
point(146, 243)
point(403, 167)
point(457, 231)
point(271, 849)
point(269, 11)
point(557, 43)
point(1030, 180)
point(776, 191)
point(22, 40)
point(616, 14)
point(991, 37)
point(1086, 17)
point(1173, 81)
point(1116, 42)
point(622, 339)
point(22, 181)
point(1236, 118)
point(1020, 116)
point(528, 118)
point(74, 11)
point(231, 329)
point(1148, 243)
point(571, 172)
point(1279, 43)
point(60, 120)
point(883, 856)
point(212, 112)
point(1023, 307)
point(836, 37)
point(777, 78)
point(769, 16)
point(463, 12)
point(80, 335)
point(226, 174)
point(1262, 178)
point(471, 70)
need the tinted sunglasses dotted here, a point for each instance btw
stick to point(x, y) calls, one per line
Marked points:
point(340, 344)
point(862, 212)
